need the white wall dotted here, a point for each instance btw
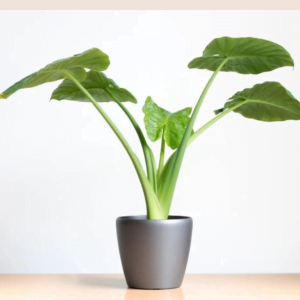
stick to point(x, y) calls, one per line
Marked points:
point(64, 177)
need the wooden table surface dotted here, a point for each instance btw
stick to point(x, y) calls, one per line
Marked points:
point(113, 287)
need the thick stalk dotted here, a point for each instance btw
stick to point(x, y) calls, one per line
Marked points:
point(153, 206)
point(154, 170)
point(146, 149)
point(168, 187)
point(213, 121)
point(161, 157)
point(202, 129)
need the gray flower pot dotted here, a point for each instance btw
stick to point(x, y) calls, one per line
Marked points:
point(154, 253)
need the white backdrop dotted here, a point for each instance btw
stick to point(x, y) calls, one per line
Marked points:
point(64, 177)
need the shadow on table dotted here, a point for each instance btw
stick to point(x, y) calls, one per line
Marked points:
point(174, 294)
point(107, 281)
point(114, 282)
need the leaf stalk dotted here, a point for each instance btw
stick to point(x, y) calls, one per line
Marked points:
point(161, 157)
point(213, 121)
point(166, 192)
point(149, 159)
point(152, 204)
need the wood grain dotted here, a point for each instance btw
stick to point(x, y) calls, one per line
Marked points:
point(113, 287)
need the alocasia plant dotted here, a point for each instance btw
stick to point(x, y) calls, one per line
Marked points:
point(268, 102)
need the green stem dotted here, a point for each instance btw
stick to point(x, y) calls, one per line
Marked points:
point(153, 206)
point(197, 133)
point(146, 149)
point(161, 157)
point(213, 121)
point(154, 170)
point(166, 193)
point(187, 135)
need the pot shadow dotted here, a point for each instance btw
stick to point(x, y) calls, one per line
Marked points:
point(174, 294)
point(115, 282)
point(107, 281)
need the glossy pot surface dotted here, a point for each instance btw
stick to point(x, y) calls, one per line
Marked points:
point(154, 253)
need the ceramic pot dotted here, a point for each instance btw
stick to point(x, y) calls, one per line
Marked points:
point(154, 253)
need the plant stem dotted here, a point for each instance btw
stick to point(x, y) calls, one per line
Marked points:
point(146, 149)
point(153, 206)
point(162, 156)
point(213, 121)
point(188, 131)
point(165, 194)
point(195, 135)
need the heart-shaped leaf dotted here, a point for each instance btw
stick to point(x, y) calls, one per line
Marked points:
point(97, 84)
point(244, 55)
point(158, 121)
point(93, 59)
point(268, 101)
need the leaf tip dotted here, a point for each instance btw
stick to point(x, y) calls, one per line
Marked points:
point(190, 64)
point(53, 98)
point(218, 111)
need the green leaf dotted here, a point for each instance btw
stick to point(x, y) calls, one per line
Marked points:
point(158, 120)
point(97, 84)
point(93, 59)
point(244, 55)
point(268, 102)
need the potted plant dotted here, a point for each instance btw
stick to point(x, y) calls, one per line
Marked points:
point(154, 248)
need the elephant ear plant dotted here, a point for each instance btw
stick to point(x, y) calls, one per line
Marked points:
point(84, 81)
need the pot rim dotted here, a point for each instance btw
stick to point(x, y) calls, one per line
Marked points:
point(143, 218)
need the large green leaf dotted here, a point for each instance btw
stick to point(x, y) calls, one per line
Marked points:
point(268, 101)
point(97, 84)
point(158, 120)
point(244, 55)
point(93, 59)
